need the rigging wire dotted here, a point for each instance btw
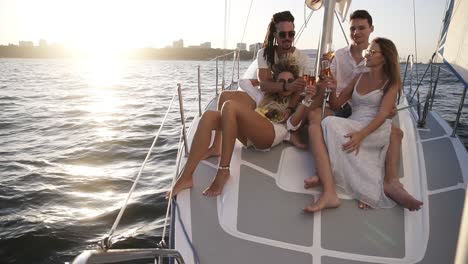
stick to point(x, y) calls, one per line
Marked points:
point(225, 23)
point(342, 29)
point(178, 159)
point(301, 30)
point(415, 40)
point(106, 241)
point(246, 21)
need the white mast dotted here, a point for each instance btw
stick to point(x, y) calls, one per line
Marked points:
point(327, 29)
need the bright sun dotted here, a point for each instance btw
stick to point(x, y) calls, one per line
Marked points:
point(103, 28)
point(107, 29)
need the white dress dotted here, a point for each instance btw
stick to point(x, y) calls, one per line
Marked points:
point(360, 176)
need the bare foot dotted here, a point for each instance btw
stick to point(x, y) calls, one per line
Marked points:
point(181, 184)
point(363, 206)
point(212, 152)
point(295, 140)
point(312, 182)
point(327, 200)
point(216, 187)
point(397, 192)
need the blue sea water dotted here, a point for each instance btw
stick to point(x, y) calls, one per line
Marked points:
point(73, 135)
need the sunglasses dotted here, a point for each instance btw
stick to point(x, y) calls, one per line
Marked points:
point(288, 80)
point(284, 34)
point(369, 52)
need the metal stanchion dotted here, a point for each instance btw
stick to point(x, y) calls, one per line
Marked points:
point(181, 108)
point(216, 76)
point(199, 93)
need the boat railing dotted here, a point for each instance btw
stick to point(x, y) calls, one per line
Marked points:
point(235, 59)
point(431, 91)
point(104, 254)
point(221, 58)
point(120, 255)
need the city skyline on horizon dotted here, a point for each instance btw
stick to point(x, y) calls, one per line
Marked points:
point(91, 25)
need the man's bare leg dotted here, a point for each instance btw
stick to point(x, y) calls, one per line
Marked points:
point(238, 96)
point(392, 186)
point(329, 197)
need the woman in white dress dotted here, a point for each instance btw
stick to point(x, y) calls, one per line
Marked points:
point(357, 145)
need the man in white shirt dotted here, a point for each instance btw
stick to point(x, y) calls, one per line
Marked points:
point(346, 65)
point(344, 68)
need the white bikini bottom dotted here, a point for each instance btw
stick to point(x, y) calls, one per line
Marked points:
point(281, 133)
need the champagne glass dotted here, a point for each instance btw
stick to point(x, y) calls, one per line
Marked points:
point(326, 72)
point(310, 83)
point(330, 54)
point(306, 76)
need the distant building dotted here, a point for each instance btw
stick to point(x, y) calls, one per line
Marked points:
point(25, 44)
point(206, 45)
point(242, 46)
point(43, 43)
point(255, 47)
point(178, 43)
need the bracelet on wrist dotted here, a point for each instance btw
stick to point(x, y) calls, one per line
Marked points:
point(306, 102)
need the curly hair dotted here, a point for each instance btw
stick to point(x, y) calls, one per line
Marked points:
point(285, 65)
point(269, 42)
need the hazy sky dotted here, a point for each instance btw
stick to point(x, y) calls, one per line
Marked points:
point(96, 24)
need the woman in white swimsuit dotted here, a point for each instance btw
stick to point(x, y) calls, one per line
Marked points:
point(262, 128)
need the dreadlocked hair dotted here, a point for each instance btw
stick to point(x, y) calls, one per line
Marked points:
point(269, 42)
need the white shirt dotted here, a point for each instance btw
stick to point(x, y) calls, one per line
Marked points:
point(301, 58)
point(345, 68)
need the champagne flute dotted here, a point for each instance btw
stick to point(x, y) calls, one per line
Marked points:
point(306, 76)
point(326, 72)
point(330, 54)
point(310, 83)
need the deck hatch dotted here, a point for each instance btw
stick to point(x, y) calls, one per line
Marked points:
point(445, 212)
point(438, 177)
point(209, 234)
point(378, 232)
point(258, 215)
